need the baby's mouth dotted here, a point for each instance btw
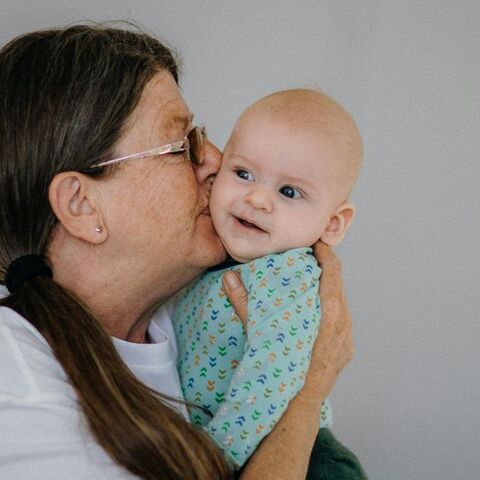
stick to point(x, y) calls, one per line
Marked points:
point(249, 225)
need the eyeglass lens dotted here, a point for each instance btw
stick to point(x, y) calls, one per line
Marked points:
point(195, 141)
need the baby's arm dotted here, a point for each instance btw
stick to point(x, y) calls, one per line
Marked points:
point(283, 321)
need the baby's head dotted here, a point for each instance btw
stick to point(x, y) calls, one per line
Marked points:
point(287, 173)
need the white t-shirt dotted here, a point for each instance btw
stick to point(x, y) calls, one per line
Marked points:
point(43, 432)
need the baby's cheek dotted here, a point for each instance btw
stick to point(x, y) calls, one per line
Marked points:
point(222, 195)
point(215, 202)
point(298, 231)
point(218, 207)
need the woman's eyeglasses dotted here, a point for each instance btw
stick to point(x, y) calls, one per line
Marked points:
point(192, 143)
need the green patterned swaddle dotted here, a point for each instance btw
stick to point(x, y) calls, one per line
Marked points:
point(247, 381)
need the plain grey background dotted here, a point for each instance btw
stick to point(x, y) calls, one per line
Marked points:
point(409, 72)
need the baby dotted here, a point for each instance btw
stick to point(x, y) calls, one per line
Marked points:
point(287, 173)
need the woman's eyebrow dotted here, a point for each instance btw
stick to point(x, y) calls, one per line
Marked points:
point(183, 120)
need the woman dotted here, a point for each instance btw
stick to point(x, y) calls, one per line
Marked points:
point(94, 238)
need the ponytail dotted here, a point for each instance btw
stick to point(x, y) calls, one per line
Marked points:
point(129, 420)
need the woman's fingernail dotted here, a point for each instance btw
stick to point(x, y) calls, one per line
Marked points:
point(232, 280)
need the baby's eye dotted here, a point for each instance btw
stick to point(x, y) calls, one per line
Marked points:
point(243, 174)
point(290, 192)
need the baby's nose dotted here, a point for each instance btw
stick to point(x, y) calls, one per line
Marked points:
point(259, 199)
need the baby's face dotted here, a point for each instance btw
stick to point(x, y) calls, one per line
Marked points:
point(275, 189)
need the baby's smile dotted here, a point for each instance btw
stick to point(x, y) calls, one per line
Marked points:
point(245, 224)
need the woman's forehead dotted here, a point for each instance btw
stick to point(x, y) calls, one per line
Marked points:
point(161, 111)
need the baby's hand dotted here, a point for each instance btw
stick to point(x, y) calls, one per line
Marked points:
point(237, 294)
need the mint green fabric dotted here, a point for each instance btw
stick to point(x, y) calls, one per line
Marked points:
point(247, 380)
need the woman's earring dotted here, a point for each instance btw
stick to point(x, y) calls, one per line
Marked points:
point(98, 229)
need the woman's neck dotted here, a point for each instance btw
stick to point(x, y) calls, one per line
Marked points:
point(122, 296)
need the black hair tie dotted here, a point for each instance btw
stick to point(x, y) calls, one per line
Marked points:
point(25, 267)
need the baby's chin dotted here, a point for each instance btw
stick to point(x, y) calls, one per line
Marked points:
point(241, 257)
point(235, 253)
point(242, 253)
point(248, 256)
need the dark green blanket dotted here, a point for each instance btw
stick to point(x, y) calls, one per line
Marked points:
point(330, 460)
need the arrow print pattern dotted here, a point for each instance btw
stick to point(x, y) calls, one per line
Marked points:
point(246, 381)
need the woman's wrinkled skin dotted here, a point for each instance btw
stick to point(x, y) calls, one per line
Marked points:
point(157, 234)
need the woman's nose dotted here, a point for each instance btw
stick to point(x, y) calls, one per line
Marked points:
point(211, 163)
point(259, 199)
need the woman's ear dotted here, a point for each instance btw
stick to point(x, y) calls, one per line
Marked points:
point(74, 200)
point(339, 223)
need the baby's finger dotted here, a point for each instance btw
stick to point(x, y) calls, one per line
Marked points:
point(237, 294)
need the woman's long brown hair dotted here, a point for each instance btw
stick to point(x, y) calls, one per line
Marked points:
point(65, 95)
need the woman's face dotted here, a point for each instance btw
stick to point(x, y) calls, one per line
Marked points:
point(157, 208)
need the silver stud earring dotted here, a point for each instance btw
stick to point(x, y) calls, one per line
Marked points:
point(98, 229)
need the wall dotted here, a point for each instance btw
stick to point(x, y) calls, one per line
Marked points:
point(409, 73)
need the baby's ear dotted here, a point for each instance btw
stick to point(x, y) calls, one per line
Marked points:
point(339, 223)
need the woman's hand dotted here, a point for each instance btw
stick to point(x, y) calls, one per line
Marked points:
point(334, 345)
